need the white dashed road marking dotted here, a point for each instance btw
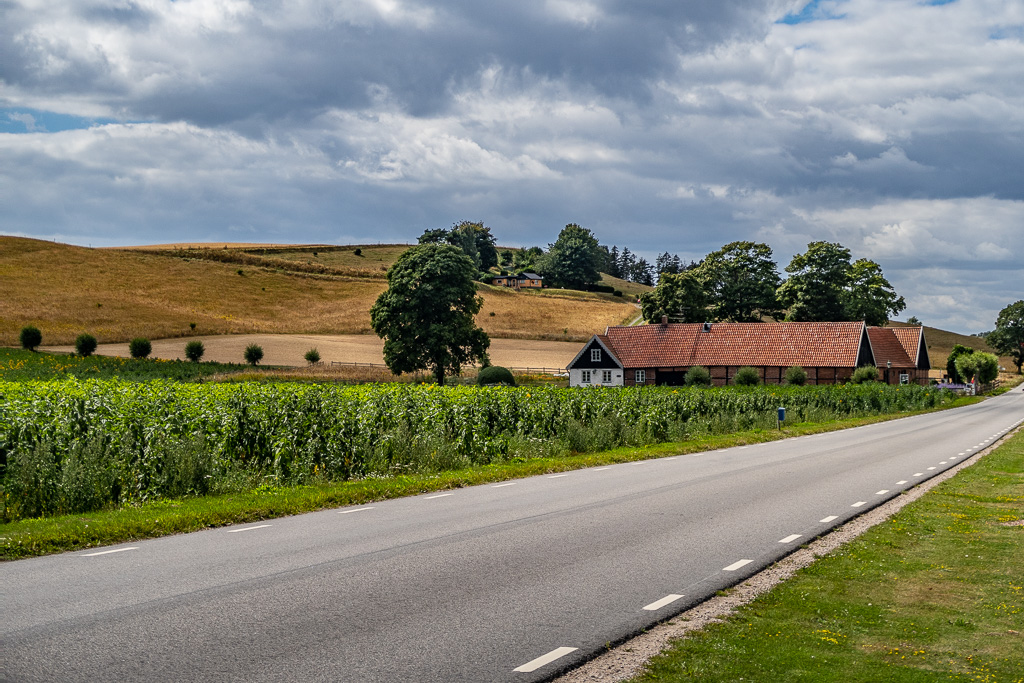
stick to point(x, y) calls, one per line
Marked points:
point(558, 476)
point(249, 528)
point(498, 486)
point(347, 512)
point(557, 653)
point(658, 604)
point(918, 474)
point(440, 495)
point(859, 503)
point(901, 482)
point(828, 519)
point(930, 469)
point(107, 552)
point(882, 492)
point(736, 565)
point(790, 538)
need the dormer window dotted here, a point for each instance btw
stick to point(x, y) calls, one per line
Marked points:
point(595, 355)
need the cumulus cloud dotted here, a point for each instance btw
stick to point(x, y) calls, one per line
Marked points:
point(893, 126)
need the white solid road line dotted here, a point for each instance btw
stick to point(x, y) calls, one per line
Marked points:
point(827, 519)
point(440, 495)
point(498, 486)
point(535, 664)
point(859, 503)
point(736, 565)
point(345, 512)
point(249, 528)
point(790, 538)
point(658, 604)
point(107, 552)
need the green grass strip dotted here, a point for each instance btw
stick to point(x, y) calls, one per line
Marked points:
point(936, 593)
point(43, 536)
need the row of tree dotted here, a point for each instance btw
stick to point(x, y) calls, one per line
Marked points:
point(740, 283)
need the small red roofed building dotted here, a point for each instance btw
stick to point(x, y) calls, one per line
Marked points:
point(661, 354)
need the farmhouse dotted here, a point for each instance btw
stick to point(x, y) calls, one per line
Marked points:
point(519, 281)
point(660, 354)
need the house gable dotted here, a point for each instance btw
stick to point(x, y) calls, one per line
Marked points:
point(584, 360)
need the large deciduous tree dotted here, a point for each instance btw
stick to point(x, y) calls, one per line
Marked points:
point(817, 282)
point(1008, 337)
point(740, 280)
point(474, 239)
point(425, 316)
point(824, 285)
point(869, 296)
point(573, 259)
point(679, 296)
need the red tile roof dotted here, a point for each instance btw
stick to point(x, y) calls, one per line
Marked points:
point(910, 338)
point(888, 346)
point(831, 344)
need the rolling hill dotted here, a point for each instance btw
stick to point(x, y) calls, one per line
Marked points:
point(159, 292)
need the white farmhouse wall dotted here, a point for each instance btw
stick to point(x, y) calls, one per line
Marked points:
point(576, 378)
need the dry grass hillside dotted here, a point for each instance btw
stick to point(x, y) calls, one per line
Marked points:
point(117, 294)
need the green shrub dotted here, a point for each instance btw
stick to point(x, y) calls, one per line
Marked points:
point(194, 350)
point(698, 376)
point(747, 377)
point(967, 367)
point(495, 374)
point(140, 347)
point(31, 337)
point(796, 376)
point(988, 366)
point(865, 373)
point(85, 345)
point(951, 370)
point(253, 354)
point(312, 356)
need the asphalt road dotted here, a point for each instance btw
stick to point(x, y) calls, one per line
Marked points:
point(506, 582)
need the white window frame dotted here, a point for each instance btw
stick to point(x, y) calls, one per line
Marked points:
point(595, 355)
point(640, 377)
point(584, 376)
point(904, 378)
point(606, 377)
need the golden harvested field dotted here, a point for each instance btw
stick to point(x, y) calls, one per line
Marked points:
point(289, 349)
point(118, 294)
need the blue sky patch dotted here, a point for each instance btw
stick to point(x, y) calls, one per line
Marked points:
point(813, 11)
point(36, 121)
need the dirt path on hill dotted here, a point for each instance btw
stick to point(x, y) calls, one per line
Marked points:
point(289, 349)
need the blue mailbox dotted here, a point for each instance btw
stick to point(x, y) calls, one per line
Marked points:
point(782, 417)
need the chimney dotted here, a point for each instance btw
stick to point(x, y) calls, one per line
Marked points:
point(664, 320)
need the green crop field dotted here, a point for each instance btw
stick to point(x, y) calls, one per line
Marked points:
point(72, 445)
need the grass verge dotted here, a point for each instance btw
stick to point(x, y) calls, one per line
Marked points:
point(934, 593)
point(44, 536)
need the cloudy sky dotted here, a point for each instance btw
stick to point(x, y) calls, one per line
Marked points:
point(895, 127)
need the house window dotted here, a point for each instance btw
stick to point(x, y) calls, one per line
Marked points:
point(904, 379)
point(585, 377)
point(641, 376)
point(595, 355)
point(606, 377)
